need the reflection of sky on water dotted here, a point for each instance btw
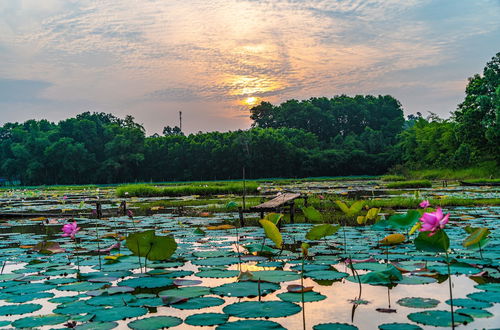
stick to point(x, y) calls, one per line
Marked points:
point(207, 58)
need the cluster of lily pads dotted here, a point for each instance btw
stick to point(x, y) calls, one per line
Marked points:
point(164, 271)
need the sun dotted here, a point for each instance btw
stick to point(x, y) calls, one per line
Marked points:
point(251, 100)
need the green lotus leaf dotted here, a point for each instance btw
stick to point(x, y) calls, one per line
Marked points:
point(319, 231)
point(40, 320)
point(334, 326)
point(399, 326)
point(199, 303)
point(245, 289)
point(118, 313)
point(251, 325)
point(252, 309)
point(155, 322)
point(206, 319)
point(439, 318)
point(6, 310)
point(186, 292)
point(418, 302)
point(147, 244)
point(147, 282)
point(297, 297)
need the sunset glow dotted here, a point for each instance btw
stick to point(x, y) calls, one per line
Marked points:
point(215, 59)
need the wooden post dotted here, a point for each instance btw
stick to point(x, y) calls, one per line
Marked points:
point(98, 209)
point(123, 208)
point(262, 214)
point(242, 218)
point(292, 212)
point(305, 201)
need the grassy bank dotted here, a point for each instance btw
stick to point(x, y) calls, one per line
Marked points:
point(144, 190)
point(409, 184)
point(485, 171)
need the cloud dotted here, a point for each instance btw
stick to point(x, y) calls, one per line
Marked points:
point(16, 91)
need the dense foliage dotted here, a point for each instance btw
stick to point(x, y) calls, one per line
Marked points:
point(470, 137)
point(317, 137)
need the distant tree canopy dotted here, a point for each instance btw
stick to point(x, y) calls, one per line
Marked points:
point(317, 137)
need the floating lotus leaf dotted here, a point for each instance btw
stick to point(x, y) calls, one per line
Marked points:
point(399, 326)
point(494, 287)
point(275, 276)
point(455, 268)
point(147, 282)
point(76, 307)
point(418, 302)
point(206, 319)
point(334, 326)
point(297, 297)
point(40, 320)
point(416, 280)
point(4, 323)
point(199, 303)
point(374, 266)
point(218, 273)
point(439, 318)
point(251, 325)
point(146, 302)
point(118, 313)
point(29, 297)
point(474, 312)
point(63, 300)
point(80, 286)
point(310, 267)
point(329, 275)
point(6, 310)
point(251, 309)
point(9, 277)
point(244, 289)
point(223, 261)
point(389, 276)
point(29, 288)
point(186, 292)
point(155, 322)
point(110, 300)
point(487, 296)
point(469, 303)
point(97, 326)
point(181, 282)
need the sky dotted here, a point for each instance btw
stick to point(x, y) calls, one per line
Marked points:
point(214, 59)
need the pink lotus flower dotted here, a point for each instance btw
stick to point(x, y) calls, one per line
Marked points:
point(432, 221)
point(321, 197)
point(424, 204)
point(70, 230)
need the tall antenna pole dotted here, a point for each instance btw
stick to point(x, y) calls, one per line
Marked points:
point(180, 120)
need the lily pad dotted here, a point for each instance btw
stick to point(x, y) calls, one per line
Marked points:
point(438, 318)
point(147, 282)
point(19, 309)
point(155, 322)
point(399, 326)
point(40, 320)
point(473, 312)
point(418, 302)
point(469, 303)
point(199, 303)
point(334, 326)
point(275, 276)
point(245, 289)
point(218, 273)
point(251, 309)
point(251, 325)
point(118, 313)
point(97, 326)
point(297, 297)
point(186, 292)
point(328, 275)
point(487, 296)
point(206, 319)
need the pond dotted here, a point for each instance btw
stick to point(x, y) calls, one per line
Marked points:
point(222, 276)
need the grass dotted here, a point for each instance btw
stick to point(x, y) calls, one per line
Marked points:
point(410, 184)
point(488, 170)
point(144, 190)
point(481, 181)
point(392, 177)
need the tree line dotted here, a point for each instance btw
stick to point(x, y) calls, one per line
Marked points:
point(323, 136)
